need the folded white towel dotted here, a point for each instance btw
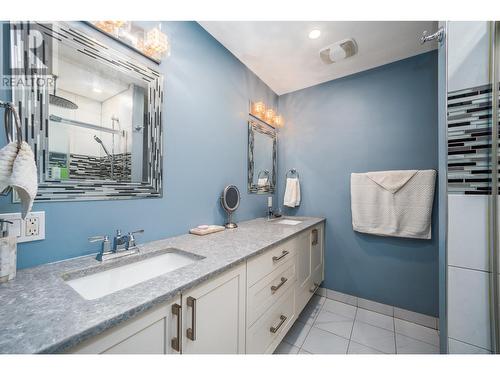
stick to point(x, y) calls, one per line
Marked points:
point(24, 177)
point(7, 156)
point(393, 203)
point(391, 180)
point(292, 192)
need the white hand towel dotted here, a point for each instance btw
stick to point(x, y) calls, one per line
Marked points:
point(261, 182)
point(24, 178)
point(7, 156)
point(292, 192)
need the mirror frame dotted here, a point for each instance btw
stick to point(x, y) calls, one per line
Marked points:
point(257, 127)
point(33, 108)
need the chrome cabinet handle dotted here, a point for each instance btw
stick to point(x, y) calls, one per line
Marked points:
point(314, 241)
point(191, 332)
point(314, 288)
point(176, 341)
point(282, 320)
point(274, 288)
point(284, 253)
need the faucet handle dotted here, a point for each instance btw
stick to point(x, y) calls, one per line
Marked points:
point(98, 238)
point(131, 238)
point(106, 246)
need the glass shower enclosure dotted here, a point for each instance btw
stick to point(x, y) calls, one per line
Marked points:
point(471, 310)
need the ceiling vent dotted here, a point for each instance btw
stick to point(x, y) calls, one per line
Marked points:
point(338, 51)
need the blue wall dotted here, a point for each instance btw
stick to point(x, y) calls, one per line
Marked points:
point(381, 119)
point(207, 92)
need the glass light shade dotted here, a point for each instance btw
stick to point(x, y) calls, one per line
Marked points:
point(269, 115)
point(278, 121)
point(110, 27)
point(156, 42)
point(258, 108)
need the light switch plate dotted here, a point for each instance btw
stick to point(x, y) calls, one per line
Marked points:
point(30, 229)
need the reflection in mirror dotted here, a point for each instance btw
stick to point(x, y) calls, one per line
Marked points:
point(99, 135)
point(261, 158)
point(96, 120)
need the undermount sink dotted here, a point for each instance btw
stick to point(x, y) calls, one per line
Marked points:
point(102, 282)
point(288, 222)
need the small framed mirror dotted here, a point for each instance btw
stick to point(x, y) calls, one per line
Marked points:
point(94, 118)
point(262, 149)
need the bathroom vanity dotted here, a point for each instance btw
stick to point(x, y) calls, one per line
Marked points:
point(241, 294)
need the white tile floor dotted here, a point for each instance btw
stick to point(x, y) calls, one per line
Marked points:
point(327, 326)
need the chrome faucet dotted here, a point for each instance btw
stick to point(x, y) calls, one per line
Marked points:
point(122, 245)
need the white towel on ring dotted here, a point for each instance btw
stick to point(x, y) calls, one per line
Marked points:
point(24, 177)
point(7, 156)
point(292, 192)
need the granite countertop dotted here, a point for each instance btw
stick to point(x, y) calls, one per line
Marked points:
point(40, 313)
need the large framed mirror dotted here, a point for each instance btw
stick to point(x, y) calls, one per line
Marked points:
point(93, 117)
point(262, 150)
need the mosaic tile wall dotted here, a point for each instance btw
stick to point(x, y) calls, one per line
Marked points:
point(469, 141)
point(85, 167)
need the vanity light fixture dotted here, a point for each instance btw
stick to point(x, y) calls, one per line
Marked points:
point(266, 114)
point(153, 43)
point(314, 34)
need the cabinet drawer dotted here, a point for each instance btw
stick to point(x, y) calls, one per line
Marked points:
point(270, 328)
point(266, 263)
point(269, 289)
point(150, 340)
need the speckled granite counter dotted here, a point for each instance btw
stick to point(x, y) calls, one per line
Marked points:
point(40, 313)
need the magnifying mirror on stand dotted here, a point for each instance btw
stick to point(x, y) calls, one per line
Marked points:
point(230, 201)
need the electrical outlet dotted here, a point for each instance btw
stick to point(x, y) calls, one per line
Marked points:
point(32, 228)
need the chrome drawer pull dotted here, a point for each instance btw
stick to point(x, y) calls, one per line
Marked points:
point(284, 253)
point(191, 332)
point(282, 320)
point(314, 288)
point(314, 241)
point(274, 288)
point(176, 341)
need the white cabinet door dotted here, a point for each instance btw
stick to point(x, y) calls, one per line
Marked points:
point(317, 255)
point(150, 333)
point(214, 315)
point(304, 280)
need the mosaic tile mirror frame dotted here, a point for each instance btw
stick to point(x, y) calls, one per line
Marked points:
point(85, 177)
point(262, 157)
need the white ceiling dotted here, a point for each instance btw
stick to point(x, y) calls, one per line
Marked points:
point(284, 57)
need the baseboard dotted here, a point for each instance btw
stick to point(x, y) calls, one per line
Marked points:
point(394, 311)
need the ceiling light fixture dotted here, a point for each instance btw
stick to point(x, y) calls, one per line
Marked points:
point(314, 34)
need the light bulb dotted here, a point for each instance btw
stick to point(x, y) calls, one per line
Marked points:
point(259, 108)
point(314, 34)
